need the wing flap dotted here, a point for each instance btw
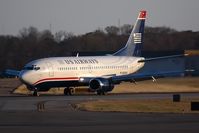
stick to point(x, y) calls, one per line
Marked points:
point(145, 76)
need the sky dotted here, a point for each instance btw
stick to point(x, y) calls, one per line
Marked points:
point(83, 16)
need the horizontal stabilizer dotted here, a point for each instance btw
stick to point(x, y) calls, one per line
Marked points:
point(162, 58)
point(10, 72)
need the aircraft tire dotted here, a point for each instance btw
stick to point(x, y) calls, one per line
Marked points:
point(71, 91)
point(68, 91)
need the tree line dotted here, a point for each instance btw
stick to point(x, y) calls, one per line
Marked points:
point(30, 43)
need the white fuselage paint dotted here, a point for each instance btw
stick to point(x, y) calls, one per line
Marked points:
point(74, 68)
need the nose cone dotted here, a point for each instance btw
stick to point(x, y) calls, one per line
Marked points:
point(24, 76)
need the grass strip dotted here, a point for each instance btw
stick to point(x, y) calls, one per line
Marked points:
point(150, 106)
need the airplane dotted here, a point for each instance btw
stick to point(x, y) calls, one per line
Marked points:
point(99, 73)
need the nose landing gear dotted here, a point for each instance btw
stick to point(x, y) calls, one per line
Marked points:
point(35, 92)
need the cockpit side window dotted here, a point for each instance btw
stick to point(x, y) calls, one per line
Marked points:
point(36, 68)
point(33, 67)
point(28, 68)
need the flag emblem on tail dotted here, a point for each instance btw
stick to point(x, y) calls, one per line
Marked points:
point(137, 37)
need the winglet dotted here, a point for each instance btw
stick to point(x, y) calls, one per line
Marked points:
point(142, 14)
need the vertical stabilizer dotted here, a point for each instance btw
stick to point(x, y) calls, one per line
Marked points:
point(134, 44)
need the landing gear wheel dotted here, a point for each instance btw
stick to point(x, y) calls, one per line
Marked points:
point(68, 91)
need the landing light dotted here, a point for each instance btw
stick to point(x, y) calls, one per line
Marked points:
point(81, 79)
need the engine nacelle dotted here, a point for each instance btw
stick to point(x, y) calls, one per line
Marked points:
point(101, 84)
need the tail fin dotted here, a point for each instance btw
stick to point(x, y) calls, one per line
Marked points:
point(134, 44)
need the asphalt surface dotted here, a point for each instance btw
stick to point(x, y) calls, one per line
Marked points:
point(50, 114)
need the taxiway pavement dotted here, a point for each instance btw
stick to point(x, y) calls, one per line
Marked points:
point(20, 114)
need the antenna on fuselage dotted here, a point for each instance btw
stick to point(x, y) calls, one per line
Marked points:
point(77, 55)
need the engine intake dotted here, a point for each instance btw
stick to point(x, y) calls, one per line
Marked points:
point(101, 84)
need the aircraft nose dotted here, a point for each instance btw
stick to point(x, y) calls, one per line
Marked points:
point(24, 77)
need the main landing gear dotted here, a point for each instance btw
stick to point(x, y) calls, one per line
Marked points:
point(69, 91)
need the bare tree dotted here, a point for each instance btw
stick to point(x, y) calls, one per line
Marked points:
point(112, 30)
point(46, 34)
point(62, 35)
point(126, 29)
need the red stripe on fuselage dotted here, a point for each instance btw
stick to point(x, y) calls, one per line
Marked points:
point(57, 79)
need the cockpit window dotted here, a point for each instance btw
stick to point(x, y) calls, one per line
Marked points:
point(28, 68)
point(36, 68)
point(33, 67)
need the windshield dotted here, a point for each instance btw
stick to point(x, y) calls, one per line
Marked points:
point(33, 67)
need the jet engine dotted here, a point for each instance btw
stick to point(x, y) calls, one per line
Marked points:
point(101, 85)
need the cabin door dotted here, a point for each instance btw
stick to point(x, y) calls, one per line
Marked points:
point(50, 69)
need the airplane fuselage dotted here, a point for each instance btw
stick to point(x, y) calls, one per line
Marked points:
point(68, 71)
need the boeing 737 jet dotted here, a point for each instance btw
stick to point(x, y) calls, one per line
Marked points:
point(99, 73)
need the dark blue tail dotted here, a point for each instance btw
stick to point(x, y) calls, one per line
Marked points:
point(134, 44)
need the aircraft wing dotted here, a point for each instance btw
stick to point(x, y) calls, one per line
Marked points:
point(10, 72)
point(136, 77)
point(156, 67)
point(146, 76)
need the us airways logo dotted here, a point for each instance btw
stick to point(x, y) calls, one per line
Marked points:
point(137, 37)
